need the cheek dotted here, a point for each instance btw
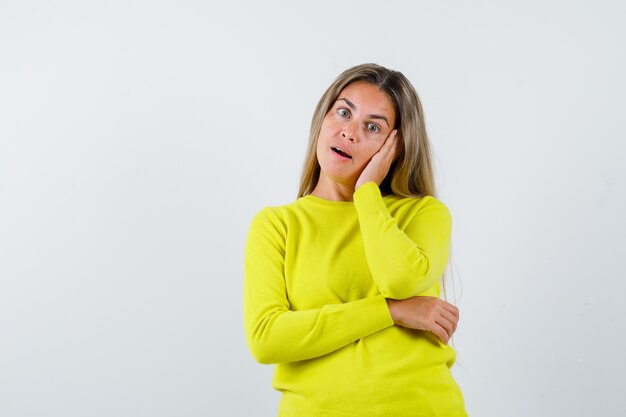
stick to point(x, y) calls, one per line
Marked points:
point(330, 125)
point(321, 146)
point(318, 149)
point(326, 133)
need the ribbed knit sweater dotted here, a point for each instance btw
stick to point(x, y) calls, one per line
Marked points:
point(316, 275)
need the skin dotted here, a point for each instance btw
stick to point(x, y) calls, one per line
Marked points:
point(430, 314)
point(361, 123)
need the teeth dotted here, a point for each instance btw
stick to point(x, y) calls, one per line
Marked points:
point(342, 152)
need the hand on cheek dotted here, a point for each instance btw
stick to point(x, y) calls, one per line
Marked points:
point(379, 165)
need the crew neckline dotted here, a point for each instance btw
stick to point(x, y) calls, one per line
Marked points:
point(333, 203)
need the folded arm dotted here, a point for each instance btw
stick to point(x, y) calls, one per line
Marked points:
point(275, 333)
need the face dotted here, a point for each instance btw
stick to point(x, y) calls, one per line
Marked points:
point(353, 130)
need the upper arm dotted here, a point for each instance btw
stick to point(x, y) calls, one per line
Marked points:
point(430, 229)
point(264, 257)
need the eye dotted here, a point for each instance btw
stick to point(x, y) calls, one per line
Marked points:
point(372, 127)
point(343, 112)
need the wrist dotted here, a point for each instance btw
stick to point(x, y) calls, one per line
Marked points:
point(361, 183)
point(394, 309)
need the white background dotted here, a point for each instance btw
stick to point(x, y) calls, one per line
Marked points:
point(138, 139)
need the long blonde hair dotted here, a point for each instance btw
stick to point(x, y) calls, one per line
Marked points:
point(411, 173)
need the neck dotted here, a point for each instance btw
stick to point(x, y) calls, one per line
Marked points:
point(333, 190)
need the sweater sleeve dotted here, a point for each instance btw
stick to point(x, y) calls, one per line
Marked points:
point(405, 262)
point(277, 334)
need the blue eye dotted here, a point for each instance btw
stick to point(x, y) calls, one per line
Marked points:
point(373, 127)
point(343, 112)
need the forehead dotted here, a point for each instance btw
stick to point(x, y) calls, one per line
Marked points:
point(368, 98)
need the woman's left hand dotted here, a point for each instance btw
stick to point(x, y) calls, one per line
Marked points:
point(379, 165)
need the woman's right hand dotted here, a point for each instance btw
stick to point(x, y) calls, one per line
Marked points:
point(425, 313)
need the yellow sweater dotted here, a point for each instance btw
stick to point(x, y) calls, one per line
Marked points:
point(316, 275)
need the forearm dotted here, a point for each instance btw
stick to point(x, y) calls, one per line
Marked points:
point(276, 335)
point(403, 263)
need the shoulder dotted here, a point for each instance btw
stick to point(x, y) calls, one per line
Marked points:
point(265, 233)
point(266, 217)
point(274, 218)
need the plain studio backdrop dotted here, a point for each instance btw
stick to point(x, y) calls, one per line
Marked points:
point(139, 138)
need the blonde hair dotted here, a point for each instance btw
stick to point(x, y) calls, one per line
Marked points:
point(411, 173)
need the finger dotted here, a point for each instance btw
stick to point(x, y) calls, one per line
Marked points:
point(446, 324)
point(384, 148)
point(389, 147)
point(441, 333)
point(395, 147)
point(450, 317)
point(444, 305)
point(451, 308)
point(391, 139)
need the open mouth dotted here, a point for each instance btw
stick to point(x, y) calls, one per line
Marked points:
point(340, 152)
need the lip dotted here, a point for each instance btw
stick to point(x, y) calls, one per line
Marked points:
point(337, 156)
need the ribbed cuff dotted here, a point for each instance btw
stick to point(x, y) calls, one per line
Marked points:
point(367, 316)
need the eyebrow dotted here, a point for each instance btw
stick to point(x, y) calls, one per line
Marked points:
point(371, 116)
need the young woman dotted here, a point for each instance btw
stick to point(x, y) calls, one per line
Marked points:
point(341, 286)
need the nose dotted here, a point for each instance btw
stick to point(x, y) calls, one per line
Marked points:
point(348, 132)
